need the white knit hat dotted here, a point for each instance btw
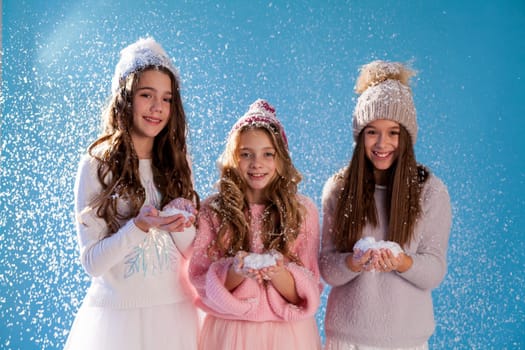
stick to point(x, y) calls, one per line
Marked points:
point(385, 94)
point(262, 114)
point(142, 53)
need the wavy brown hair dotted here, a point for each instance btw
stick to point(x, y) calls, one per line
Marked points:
point(118, 163)
point(283, 214)
point(356, 206)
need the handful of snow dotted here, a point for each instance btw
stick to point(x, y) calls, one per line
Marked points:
point(367, 243)
point(174, 211)
point(259, 261)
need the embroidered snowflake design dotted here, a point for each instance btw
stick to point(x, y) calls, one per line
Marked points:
point(155, 255)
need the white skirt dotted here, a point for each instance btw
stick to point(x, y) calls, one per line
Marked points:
point(162, 327)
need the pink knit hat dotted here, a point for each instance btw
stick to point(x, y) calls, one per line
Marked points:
point(385, 94)
point(261, 114)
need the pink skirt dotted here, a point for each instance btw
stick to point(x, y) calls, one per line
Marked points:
point(163, 327)
point(219, 333)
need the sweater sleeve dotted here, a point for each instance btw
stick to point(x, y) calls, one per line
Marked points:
point(430, 258)
point(184, 241)
point(98, 254)
point(306, 276)
point(208, 274)
point(332, 263)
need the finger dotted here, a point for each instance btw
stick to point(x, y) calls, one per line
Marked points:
point(175, 224)
point(148, 210)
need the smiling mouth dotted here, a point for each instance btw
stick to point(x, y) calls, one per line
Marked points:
point(152, 120)
point(382, 154)
point(256, 176)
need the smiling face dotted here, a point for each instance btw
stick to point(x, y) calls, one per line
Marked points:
point(151, 109)
point(256, 157)
point(381, 140)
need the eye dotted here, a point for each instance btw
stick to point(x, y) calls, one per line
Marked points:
point(394, 132)
point(269, 154)
point(168, 100)
point(370, 131)
point(245, 155)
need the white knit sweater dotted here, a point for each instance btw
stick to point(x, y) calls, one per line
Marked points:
point(131, 268)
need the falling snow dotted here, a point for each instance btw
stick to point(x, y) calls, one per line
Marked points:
point(57, 64)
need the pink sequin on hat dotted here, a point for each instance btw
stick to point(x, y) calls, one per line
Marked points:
point(261, 114)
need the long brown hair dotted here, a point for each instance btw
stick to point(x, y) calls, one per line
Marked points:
point(118, 168)
point(283, 214)
point(356, 206)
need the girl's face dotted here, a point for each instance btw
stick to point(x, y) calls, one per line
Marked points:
point(151, 106)
point(381, 139)
point(256, 157)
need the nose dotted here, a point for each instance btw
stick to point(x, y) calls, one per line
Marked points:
point(156, 105)
point(255, 161)
point(381, 140)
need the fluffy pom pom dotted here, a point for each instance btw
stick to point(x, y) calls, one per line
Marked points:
point(377, 72)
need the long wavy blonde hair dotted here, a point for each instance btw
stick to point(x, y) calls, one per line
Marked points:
point(283, 214)
point(118, 168)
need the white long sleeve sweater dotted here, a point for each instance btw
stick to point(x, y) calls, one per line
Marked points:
point(131, 268)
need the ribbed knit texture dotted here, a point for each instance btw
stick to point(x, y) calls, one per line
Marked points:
point(387, 100)
point(252, 301)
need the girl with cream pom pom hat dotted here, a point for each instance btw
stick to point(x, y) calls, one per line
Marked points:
point(378, 299)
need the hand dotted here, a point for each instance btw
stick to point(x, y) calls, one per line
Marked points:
point(236, 273)
point(271, 272)
point(147, 218)
point(281, 279)
point(179, 222)
point(238, 263)
point(361, 261)
point(387, 261)
point(182, 204)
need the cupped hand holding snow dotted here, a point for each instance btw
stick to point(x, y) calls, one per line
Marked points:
point(367, 243)
point(257, 261)
point(169, 211)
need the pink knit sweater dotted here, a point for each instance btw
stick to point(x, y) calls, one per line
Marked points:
point(250, 300)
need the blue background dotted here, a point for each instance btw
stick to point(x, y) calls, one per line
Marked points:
point(303, 56)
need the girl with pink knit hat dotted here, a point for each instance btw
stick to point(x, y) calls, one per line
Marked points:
point(386, 225)
point(255, 259)
point(135, 206)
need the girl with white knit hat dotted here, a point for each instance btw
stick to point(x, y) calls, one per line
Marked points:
point(255, 260)
point(135, 207)
point(386, 225)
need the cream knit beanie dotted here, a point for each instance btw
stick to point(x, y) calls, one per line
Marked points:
point(385, 94)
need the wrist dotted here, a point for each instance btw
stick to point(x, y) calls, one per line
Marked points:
point(406, 263)
point(140, 225)
point(349, 263)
